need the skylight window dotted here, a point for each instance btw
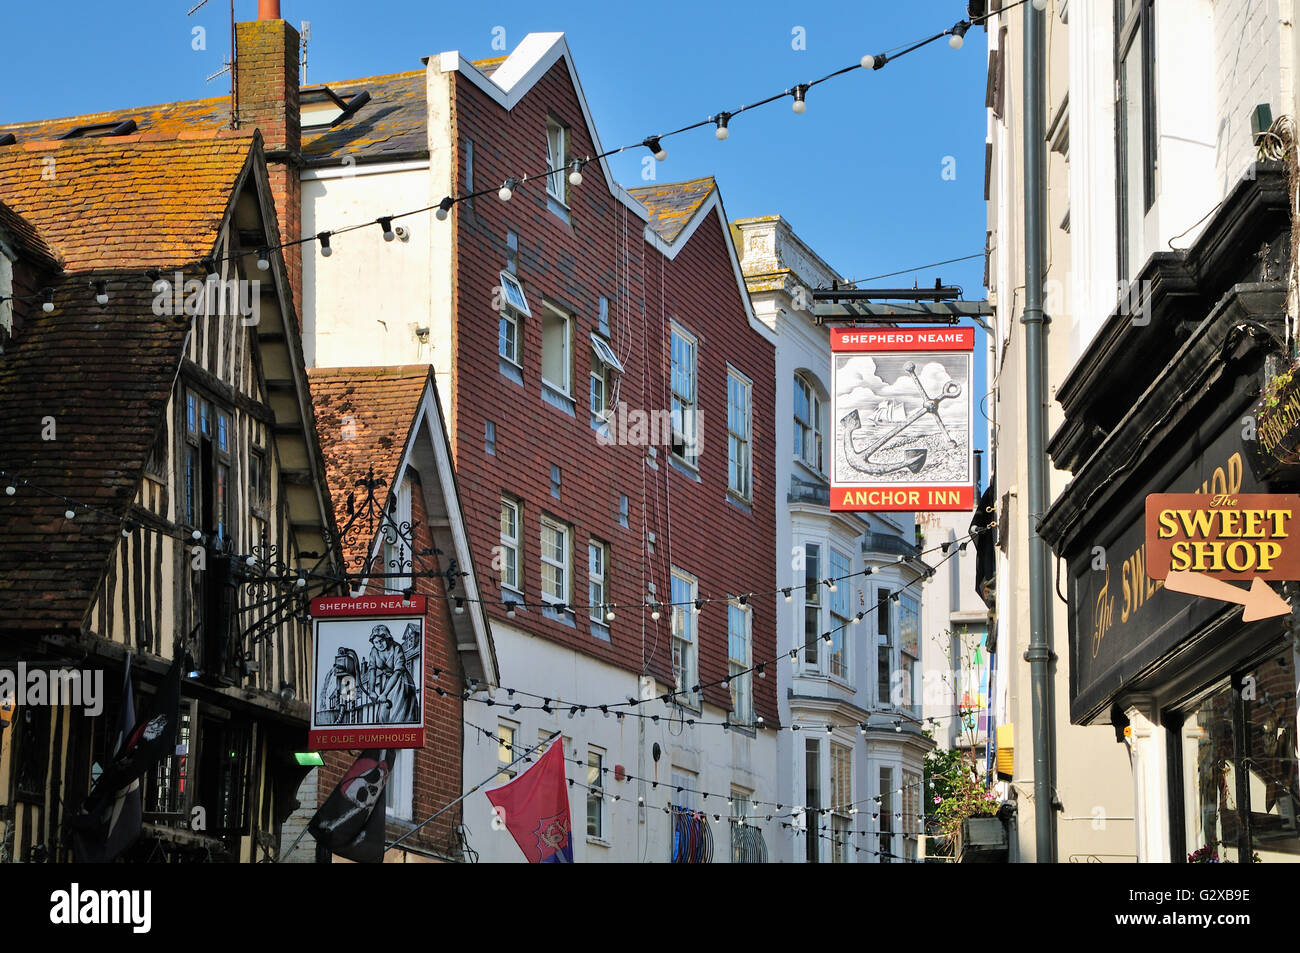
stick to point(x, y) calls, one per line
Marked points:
point(101, 129)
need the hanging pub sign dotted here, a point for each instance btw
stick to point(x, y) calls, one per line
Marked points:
point(368, 672)
point(902, 406)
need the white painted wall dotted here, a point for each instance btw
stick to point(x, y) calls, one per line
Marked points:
point(362, 304)
point(766, 245)
point(721, 759)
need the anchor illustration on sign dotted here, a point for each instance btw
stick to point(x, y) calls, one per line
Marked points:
point(913, 459)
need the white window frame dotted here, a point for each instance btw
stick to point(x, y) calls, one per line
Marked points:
point(684, 620)
point(812, 599)
point(886, 640)
point(741, 685)
point(599, 391)
point(399, 796)
point(398, 550)
point(597, 599)
point(740, 459)
point(840, 624)
point(688, 402)
point(557, 160)
point(506, 756)
point(812, 428)
point(841, 797)
point(563, 566)
point(509, 318)
point(907, 663)
point(512, 575)
point(566, 386)
point(511, 283)
point(596, 796)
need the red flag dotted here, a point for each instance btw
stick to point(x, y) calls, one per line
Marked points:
point(535, 809)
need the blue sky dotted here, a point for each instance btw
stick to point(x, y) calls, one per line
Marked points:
point(860, 175)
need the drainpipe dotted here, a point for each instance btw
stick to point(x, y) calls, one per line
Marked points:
point(1039, 654)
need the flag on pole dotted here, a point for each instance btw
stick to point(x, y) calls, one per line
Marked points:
point(535, 809)
point(104, 828)
point(351, 821)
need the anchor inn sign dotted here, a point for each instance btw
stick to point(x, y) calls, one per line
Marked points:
point(901, 399)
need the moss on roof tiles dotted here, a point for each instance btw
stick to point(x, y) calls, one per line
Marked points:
point(672, 205)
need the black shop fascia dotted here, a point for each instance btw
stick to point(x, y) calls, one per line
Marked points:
point(1165, 400)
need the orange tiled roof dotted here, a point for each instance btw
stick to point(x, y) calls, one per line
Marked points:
point(162, 120)
point(364, 416)
point(103, 373)
point(673, 204)
point(393, 125)
point(31, 243)
point(125, 203)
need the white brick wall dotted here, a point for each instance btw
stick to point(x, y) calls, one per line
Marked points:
point(1248, 70)
point(305, 852)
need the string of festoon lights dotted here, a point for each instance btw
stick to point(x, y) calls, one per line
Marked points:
point(551, 704)
point(11, 483)
point(782, 813)
point(795, 820)
point(720, 121)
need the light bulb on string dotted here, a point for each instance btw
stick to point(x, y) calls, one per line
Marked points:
point(101, 292)
point(507, 190)
point(263, 260)
point(324, 239)
point(800, 92)
point(722, 119)
point(575, 172)
point(69, 513)
point(444, 208)
point(10, 490)
point(47, 305)
point(1040, 5)
point(788, 596)
point(652, 143)
point(386, 223)
point(609, 614)
point(957, 38)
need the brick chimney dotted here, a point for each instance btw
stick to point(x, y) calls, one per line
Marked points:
point(266, 96)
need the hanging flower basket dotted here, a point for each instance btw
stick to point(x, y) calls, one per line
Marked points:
point(981, 840)
point(1274, 453)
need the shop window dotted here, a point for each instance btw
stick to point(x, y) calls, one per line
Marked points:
point(1239, 768)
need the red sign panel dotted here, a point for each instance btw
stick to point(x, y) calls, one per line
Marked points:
point(368, 672)
point(902, 409)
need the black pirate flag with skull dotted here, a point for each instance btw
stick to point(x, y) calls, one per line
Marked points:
point(351, 821)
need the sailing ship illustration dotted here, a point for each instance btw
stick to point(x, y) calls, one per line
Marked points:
point(893, 412)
